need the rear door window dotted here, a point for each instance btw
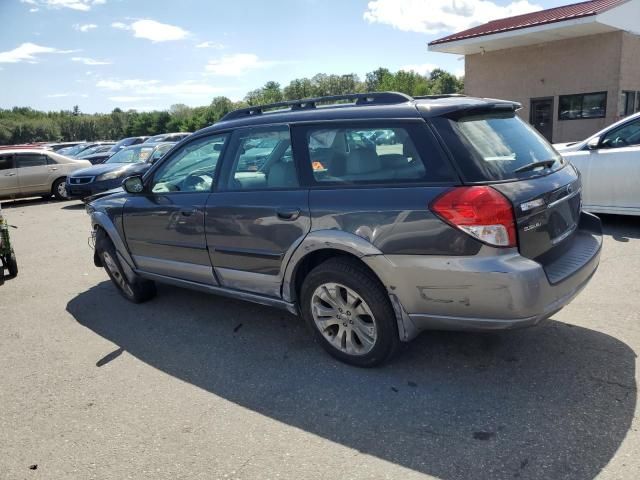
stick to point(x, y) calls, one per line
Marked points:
point(263, 160)
point(31, 160)
point(373, 154)
point(496, 146)
point(6, 162)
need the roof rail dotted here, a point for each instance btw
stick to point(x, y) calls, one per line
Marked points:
point(372, 98)
point(439, 95)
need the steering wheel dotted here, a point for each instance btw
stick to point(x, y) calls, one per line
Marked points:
point(191, 182)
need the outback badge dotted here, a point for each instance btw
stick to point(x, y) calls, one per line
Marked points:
point(526, 206)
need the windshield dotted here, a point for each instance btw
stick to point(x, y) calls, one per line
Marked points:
point(131, 155)
point(497, 146)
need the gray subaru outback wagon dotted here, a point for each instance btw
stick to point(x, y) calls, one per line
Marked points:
point(373, 220)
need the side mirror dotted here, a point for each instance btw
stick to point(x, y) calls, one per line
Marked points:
point(133, 184)
point(594, 143)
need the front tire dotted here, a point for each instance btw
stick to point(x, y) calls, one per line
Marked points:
point(59, 189)
point(136, 291)
point(349, 312)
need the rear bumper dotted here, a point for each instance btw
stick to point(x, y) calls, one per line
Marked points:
point(495, 289)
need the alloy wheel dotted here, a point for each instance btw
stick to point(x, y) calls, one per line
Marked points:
point(344, 318)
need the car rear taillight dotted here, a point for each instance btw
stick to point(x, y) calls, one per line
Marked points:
point(482, 212)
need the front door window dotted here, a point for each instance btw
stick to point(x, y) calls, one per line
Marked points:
point(191, 169)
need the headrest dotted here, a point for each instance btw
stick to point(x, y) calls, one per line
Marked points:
point(363, 160)
point(409, 149)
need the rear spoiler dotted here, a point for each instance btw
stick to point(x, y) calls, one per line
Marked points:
point(455, 110)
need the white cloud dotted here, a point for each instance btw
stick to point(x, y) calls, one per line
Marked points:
point(435, 16)
point(117, 85)
point(80, 5)
point(214, 45)
point(152, 30)
point(422, 68)
point(236, 65)
point(62, 95)
point(85, 28)
point(150, 88)
point(90, 61)
point(127, 99)
point(27, 52)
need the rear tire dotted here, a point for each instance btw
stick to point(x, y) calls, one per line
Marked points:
point(136, 291)
point(59, 189)
point(349, 313)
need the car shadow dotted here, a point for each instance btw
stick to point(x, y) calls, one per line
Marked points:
point(554, 401)
point(621, 227)
point(74, 205)
point(22, 202)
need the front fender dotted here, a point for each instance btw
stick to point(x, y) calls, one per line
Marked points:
point(323, 240)
point(102, 220)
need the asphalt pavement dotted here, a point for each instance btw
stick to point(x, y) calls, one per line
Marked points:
point(192, 386)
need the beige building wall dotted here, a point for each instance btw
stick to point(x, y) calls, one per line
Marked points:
point(630, 66)
point(578, 65)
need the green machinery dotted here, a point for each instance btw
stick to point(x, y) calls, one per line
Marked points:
point(8, 263)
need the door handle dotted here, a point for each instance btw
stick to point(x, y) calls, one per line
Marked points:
point(288, 213)
point(10, 174)
point(53, 169)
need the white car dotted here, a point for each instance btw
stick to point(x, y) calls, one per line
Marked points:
point(609, 162)
point(32, 172)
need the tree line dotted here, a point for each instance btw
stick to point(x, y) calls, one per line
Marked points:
point(24, 124)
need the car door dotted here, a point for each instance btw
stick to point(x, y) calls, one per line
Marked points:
point(258, 213)
point(34, 175)
point(8, 176)
point(164, 225)
point(610, 172)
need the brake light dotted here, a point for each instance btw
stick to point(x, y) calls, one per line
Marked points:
point(482, 212)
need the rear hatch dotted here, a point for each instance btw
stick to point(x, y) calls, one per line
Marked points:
point(547, 209)
point(496, 148)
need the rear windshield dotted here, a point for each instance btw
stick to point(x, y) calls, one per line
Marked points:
point(497, 146)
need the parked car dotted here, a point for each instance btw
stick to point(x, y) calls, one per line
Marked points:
point(58, 146)
point(472, 222)
point(27, 173)
point(73, 150)
point(127, 142)
point(609, 162)
point(168, 137)
point(100, 148)
point(109, 174)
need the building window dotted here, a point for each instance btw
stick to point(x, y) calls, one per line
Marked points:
point(583, 105)
point(631, 102)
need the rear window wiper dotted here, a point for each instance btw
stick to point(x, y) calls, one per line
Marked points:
point(534, 165)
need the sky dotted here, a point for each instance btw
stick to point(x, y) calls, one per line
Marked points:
point(150, 54)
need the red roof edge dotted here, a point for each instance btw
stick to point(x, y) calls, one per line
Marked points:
point(534, 19)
